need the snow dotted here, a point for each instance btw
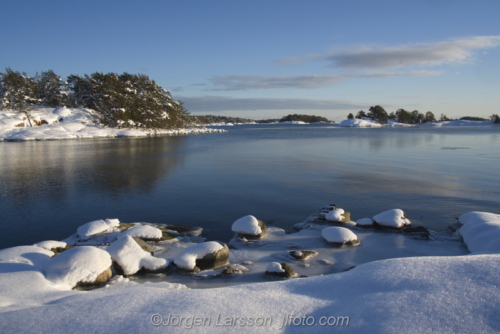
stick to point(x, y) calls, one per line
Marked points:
point(142, 231)
point(72, 123)
point(335, 215)
point(247, 225)
point(274, 267)
point(433, 286)
point(187, 258)
point(79, 264)
point(392, 218)
point(364, 222)
point(293, 122)
point(96, 226)
point(50, 244)
point(359, 123)
point(481, 231)
point(131, 257)
point(338, 234)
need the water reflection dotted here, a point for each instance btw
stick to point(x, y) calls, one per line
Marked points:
point(60, 169)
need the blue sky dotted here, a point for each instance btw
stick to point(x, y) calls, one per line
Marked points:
point(262, 59)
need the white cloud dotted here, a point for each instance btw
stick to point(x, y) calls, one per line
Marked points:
point(457, 51)
point(220, 104)
point(242, 82)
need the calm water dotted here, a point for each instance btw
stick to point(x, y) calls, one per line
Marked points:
point(278, 173)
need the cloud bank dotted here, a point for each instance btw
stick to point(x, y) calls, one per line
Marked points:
point(220, 104)
point(457, 51)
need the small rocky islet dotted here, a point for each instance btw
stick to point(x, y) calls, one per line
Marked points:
point(105, 251)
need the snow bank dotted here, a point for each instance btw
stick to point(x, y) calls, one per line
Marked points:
point(392, 218)
point(339, 235)
point(187, 258)
point(481, 231)
point(50, 244)
point(72, 123)
point(293, 122)
point(96, 226)
point(412, 295)
point(359, 123)
point(30, 255)
point(143, 232)
point(247, 225)
point(80, 264)
point(131, 257)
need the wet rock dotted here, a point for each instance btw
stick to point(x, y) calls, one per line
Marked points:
point(417, 230)
point(183, 230)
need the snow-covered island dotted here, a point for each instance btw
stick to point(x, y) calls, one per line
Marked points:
point(73, 123)
point(369, 123)
point(397, 279)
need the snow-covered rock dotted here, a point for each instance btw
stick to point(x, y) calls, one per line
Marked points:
point(204, 255)
point(280, 270)
point(84, 264)
point(50, 244)
point(339, 235)
point(274, 267)
point(131, 257)
point(360, 123)
point(395, 218)
point(364, 222)
point(249, 226)
point(481, 231)
point(145, 232)
point(97, 226)
point(339, 216)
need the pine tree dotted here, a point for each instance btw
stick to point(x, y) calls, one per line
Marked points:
point(18, 92)
point(51, 89)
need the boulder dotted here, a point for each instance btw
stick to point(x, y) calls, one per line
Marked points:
point(395, 218)
point(340, 236)
point(84, 265)
point(338, 216)
point(302, 255)
point(250, 228)
point(280, 270)
point(202, 256)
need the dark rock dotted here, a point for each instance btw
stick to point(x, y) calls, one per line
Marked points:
point(184, 230)
point(144, 245)
point(262, 234)
point(288, 272)
point(302, 255)
point(214, 260)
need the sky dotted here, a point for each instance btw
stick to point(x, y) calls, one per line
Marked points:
point(267, 59)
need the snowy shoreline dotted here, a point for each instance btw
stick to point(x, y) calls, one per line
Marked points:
point(415, 294)
point(73, 123)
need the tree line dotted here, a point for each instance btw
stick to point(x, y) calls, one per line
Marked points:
point(128, 100)
point(379, 114)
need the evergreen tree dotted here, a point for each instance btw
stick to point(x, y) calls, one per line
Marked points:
point(379, 114)
point(51, 89)
point(429, 117)
point(403, 116)
point(17, 92)
point(350, 116)
point(361, 114)
point(495, 118)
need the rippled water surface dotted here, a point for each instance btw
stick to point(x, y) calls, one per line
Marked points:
point(278, 173)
